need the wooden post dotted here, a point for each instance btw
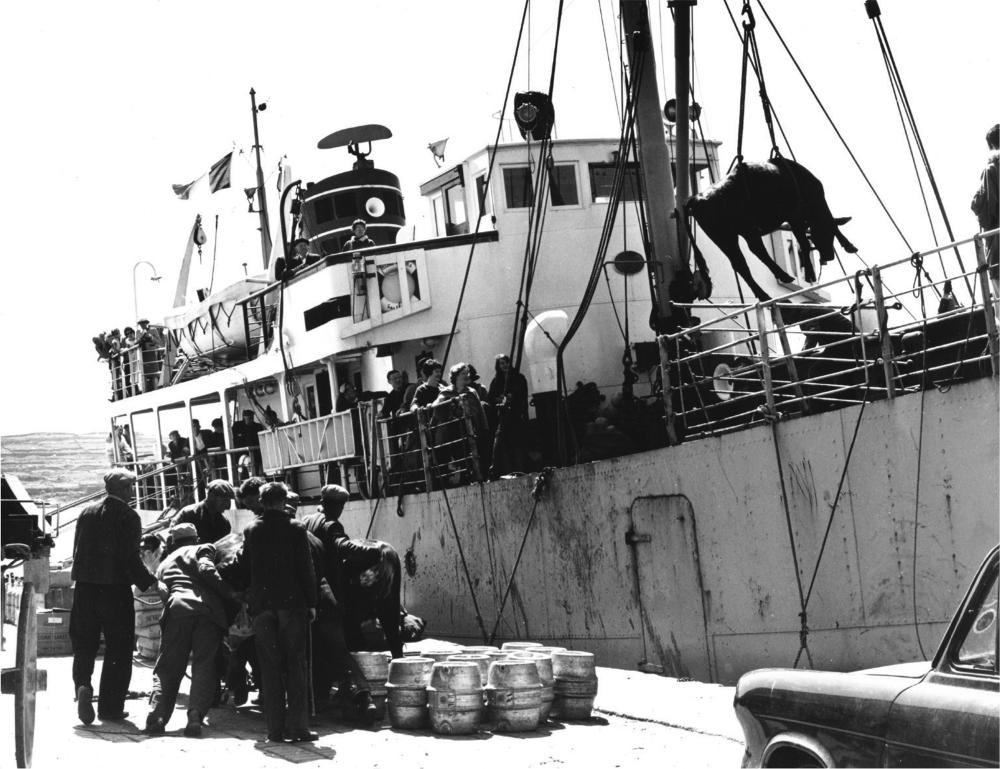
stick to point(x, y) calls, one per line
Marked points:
point(883, 331)
point(470, 436)
point(668, 402)
point(988, 306)
point(765, 360)
point(425, 456)
point(787, 350)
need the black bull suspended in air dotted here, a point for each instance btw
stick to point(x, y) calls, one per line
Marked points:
point(754, 200)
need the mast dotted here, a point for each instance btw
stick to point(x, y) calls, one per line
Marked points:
point(654, 154)
point(265, 230)
point(682, 79)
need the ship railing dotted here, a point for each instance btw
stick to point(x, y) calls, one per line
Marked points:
point(332, 438)
point(428, 448)
point(756, 362)
point(146, 371)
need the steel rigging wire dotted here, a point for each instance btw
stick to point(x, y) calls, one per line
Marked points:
point(486, 185)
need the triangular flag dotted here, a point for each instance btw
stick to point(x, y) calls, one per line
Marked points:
point(218, 176)
point(183, 191)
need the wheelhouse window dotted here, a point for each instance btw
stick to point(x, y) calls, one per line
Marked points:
point(517, 186)
point(458, 220)
point(482, 196)
point(602, 177)
point(562, 185)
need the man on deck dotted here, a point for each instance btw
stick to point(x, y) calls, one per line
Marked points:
point(986, 202)
point(359, 238)
point(106, 563)
point(207, 516)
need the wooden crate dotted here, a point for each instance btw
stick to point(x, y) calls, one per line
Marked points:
point(53, 633)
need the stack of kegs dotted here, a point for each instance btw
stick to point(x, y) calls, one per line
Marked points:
point(460, 690)
point(407, 692)
point(455, 697)
point(374, 666)
point(575, 684)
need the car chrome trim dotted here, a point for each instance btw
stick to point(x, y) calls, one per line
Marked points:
point(799, 742)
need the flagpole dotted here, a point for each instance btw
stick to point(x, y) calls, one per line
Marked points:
point(265, 230)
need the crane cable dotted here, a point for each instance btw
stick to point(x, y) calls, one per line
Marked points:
point(871, 6)
point(486, 185)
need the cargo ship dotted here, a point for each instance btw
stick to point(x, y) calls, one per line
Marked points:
point(731, 483)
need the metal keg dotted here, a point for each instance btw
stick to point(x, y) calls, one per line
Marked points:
point(455, 697)
point(480, 659)
point(374, 666)
point(543, 662)
point(514, 695)
point(518, 646)
point(407, 692)
point(575, 685)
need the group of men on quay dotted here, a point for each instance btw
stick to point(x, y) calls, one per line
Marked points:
point(290, 597)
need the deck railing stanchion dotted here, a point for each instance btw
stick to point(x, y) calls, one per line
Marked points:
point(669, 419)
point(883, 332)
point(425, 455)
point(786, 349)
point(470, 436)
point(765, 360)
point(989, 307)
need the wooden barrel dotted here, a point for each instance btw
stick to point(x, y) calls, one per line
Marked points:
point(374, 666)
point(547, 649)
point(455, 697)
point(407, 692)
point(514, 695)
point(439, 655)
point(497, 654)
point(574, 685)
point(480, 659)
point(148, 608)
point(518, 646)
point(543, 662)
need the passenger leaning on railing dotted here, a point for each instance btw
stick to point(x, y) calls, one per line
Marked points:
point(449, 437)
point(150, 342)
point(427, 393)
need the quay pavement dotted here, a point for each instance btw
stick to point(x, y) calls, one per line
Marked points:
point(639, 720)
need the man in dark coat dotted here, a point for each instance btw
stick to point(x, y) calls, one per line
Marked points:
point(106, 563)
point(282, 600)
point(207, 515)
point(194, 620)
point(364, 575)
point(332, 660)
point(509, 396)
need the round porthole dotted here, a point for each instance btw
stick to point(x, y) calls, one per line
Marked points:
point(628, 263)
point(375, 207)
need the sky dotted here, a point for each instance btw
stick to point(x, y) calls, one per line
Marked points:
point(106, 104)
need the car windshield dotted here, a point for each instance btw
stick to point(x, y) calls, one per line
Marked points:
point(979, 649)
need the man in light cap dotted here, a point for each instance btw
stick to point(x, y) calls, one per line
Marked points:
point(207, 515)
point(106, 563)
point(150, 341)
point(194, 620)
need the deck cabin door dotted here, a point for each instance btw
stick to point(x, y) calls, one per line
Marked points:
point(668, 587)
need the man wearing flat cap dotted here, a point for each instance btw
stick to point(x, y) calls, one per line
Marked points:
point(207, 515)
point(106, 563)
point(194, 621)
point(282, 599)
point(333, 661)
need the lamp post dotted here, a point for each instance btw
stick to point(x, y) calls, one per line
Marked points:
point(135, 295)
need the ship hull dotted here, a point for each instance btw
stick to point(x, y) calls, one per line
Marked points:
point(680, 560)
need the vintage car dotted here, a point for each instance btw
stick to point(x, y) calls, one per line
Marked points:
point(942, 713)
